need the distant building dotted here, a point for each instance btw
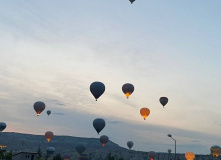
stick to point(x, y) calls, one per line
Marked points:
point(25, 156)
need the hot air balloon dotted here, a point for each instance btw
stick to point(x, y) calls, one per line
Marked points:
point(67, 156)
point(151, 155)
point(83, 157)
point(80, 147)
point(39, 107)
point(104, 139)
point(2, 126)
point(48, 112)
point(144, 112)
point(49, 135)
point(169, 150)
point(130, 144)
point(189, 156)
point(215, 151)
point(99, 124)
point(50, 151)
point(128, 89)
point(163, 101)
point(97, 89)
point(131, 1)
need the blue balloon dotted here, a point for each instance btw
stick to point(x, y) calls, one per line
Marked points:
point(2, 126)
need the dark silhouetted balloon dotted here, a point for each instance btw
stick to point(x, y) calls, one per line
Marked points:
point(128, 89)
point(2, 126)
point(97, 89)
point(104, 139)
point(48, 112)
point(49, 135)
point(80, 147)
point(50, 151)
point(131, 1)
point(99, 124)
point(151, 155)
point(39, 107)
point(163, 100)
point(130, 144)
point(144, 112)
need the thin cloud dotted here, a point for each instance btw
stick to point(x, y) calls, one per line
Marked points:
point(60, 114)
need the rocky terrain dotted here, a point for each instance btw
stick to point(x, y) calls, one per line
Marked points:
point(17, 142)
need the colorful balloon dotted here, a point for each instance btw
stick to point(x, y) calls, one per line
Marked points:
point(49, 135)
point(144, 112)
point(128, 89)
point(80, 147)
point(99, 124)
point(48, 112)
point(39, 107)
point(97, 89)
point(2, 126)
point(189, 156)
point(215, 151)
point(163, 101)
point(67, 156)
point(104, 139)
point(130, 144)
point(151, 155)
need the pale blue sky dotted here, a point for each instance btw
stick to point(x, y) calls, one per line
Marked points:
point(53, 50)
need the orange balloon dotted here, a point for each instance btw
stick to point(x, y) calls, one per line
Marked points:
point(189, 155)
point(144, 112)
point(49, 135)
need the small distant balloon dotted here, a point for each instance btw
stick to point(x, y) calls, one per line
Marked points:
point(49, 135)
point(48, 112)
point(189, 156)
point(67, 156)
point(99, 124)
point(169, 150)
point(39, 107)
point(2, 126)
point(151, 155)
point(131, 1)
point(97, 89)
point(104, 139)
point(80, 147)
point(144, 112)
point(50, 151)
point(130, 144)
point(128, 89)
point(163, 100)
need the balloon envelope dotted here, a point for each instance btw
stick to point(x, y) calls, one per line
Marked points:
point(50, 151)
point(39, 107)
point(80, 147)
point(99, 124)
point(104, 139)
point(189, 155)
point(67, 156)
point(151, 155)
point(2, 126)
point(49, 135)
point(131, 1)
point(163, 100)
point(215, 151)
point(48, 112)
point(130, 144)
point(97, 89)
point(128, 89)
point(144, 112)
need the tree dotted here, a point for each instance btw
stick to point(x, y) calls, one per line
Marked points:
point(39, 152)
point(57, 157)
point(121, 158)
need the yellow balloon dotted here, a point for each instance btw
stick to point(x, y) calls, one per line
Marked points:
point(189, 155)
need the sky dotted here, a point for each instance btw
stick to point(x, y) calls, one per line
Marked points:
point(52, 51)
